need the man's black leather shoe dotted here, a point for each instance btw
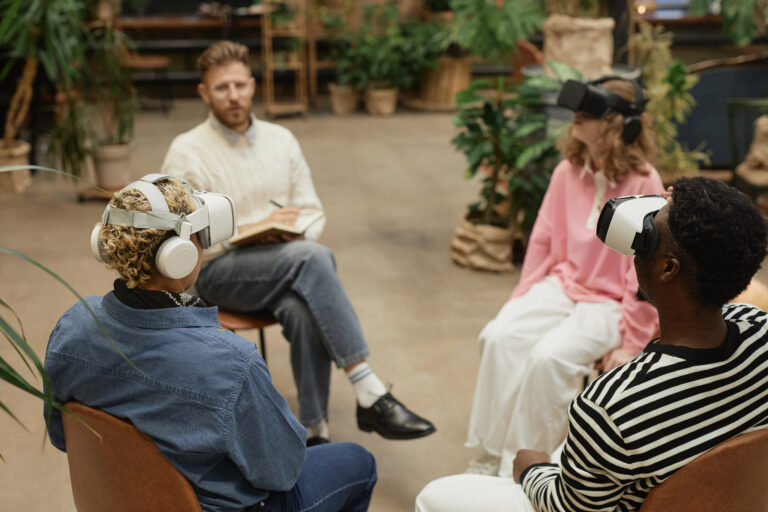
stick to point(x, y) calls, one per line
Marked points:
point(392, 420)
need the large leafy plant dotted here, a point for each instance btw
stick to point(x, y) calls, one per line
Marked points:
point(743, 20)
point(12, 329)
point(491, 31)
point(386, 55)
point(41, 33)
point(504, 138)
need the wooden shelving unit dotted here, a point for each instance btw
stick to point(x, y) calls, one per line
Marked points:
point(295, 28)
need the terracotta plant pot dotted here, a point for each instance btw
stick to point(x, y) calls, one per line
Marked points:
point(344, 99)
point(15, 181)
point(381, 102)
point(113, 166)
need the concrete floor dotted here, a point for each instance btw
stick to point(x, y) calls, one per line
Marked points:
point(393, 190)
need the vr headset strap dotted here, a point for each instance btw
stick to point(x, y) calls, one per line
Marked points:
point(618, 103)
point(157, 202)
point(142, 220)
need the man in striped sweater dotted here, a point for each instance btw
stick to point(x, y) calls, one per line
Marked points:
point(702, 382)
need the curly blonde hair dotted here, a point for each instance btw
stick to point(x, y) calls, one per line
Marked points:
point(131, 251)
point(614, 157)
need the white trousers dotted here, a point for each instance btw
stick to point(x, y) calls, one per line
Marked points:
point(535, 354)
point(476, 493)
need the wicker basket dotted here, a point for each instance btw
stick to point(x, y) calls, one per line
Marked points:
point(381, 102)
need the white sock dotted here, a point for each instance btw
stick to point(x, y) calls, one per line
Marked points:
point(319, 430)
point(367, 385)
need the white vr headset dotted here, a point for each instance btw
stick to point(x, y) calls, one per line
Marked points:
point(213, 220)
point(627, 225)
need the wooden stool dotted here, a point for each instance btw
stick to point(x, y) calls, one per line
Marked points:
point(242, 322)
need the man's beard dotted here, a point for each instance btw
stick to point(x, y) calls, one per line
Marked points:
point(228, 121)
point(640, 296)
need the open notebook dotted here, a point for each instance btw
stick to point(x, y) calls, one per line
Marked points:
point(254, 234)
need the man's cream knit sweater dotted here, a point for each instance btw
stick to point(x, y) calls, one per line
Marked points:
point(264, 163)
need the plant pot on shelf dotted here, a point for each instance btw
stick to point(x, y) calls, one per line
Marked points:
point(344, 98)
point(381, 102)
point(113, 166)
point(585, 44)
point(483, 246)
point(18, 154)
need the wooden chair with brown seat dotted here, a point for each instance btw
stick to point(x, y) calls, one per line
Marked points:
point(122, 470)
point(732, 476)
point(243, 322)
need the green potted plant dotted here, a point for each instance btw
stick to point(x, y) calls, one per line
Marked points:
point(474, 28)
point(43, 34)
point(743, 20)
point(446, 66)
point(504, 138)
point(345, 91)
point(389, 60)
point(112, 90)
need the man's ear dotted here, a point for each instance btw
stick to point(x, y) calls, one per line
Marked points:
point(202, 90)
point(251, 86)
point(670, 269)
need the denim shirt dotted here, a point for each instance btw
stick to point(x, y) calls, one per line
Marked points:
point(205, 396)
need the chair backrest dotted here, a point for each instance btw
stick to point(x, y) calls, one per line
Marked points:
point(731, 476)
point(123, 471)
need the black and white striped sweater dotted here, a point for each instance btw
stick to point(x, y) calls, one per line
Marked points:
point(636, 425)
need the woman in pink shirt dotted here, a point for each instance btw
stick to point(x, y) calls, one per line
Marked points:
point(576, 301)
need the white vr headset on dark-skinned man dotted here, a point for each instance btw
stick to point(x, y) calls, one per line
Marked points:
point(213, 220)
point(627, 225)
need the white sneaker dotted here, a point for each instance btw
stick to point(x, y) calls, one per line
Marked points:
point(487, 464)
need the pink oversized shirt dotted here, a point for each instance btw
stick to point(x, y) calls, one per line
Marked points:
point(564, 244)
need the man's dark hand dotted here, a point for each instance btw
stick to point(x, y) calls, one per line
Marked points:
point(525, 458)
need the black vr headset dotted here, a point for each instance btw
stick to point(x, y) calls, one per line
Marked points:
point(593, 100)
point(627, 225)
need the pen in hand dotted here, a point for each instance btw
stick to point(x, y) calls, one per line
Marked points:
point(275, 203)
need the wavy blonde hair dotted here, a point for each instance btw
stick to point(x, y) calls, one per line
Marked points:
point(615, 157)
point(220, 53)
point(131, 251)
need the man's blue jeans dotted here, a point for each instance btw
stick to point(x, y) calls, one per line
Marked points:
point(336, 477)
point(297, 282)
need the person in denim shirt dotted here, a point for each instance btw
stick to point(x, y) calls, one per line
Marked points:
point(203, 394)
